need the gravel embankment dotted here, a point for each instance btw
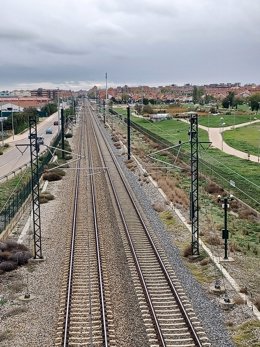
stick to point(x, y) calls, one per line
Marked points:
point(32, 323)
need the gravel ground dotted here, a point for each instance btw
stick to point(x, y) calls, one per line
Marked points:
point(32, 323)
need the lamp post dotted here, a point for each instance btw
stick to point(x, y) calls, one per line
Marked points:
point(225, 233)
point(2, 127)
point(221, 131)
point(58, 97)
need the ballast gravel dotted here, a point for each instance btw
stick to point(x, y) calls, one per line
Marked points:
point(205, 308)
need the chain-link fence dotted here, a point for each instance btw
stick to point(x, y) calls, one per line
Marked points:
point(17, 199)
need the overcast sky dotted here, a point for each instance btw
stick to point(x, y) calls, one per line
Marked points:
point(72, 43)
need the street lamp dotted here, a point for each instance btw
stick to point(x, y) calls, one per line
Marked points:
point(58, 100)
point(225, 233)
point(12, 115)
point(221, 132)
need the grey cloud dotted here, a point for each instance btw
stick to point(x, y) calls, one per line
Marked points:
point(137, 40)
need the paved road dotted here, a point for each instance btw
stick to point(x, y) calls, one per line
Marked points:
point(12, 158)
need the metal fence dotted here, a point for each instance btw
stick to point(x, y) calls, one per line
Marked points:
point(18, 198)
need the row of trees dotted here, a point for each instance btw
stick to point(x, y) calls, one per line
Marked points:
point(232, 101)
point(20, 119)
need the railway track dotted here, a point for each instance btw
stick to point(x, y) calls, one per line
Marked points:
point(86, 316)
point(84, 310)
point(169, 320)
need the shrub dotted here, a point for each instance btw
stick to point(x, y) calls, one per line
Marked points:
point(20, 258)
point(51, 176)
point(238, 300)
point(213, 188)
point(213, 239)
point(205, 261)
point(68, 135)
point(47, 196)
point(8, 266)
point(243, 290)
point(5, 255)
point(43, 200)
point(187, 251)
point(58, 171)
point(158, 207)
point(3, 246)
point(14, 246)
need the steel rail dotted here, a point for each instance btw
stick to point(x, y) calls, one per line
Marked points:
point(99, 261)
point(167, 276)
point(71, 261)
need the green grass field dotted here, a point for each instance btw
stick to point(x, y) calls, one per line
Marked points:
point(217, 121)
point(246, 139)
point(172, 130)
point(221, 167)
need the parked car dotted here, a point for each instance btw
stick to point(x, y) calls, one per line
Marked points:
point(49, 131)
point(56, 122)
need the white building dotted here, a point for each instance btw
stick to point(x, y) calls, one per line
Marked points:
point(8, 107)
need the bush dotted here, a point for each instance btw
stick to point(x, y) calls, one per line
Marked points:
point(5, 255)
point(58, 171)
point(14, 246)
point(205, 261)
point(47, 196)
point(3, 246)
point(158, 207)
point(213, 188)
point(8, 266)
point(238, 300)
point(213, 239)
point(68, 135)
point(51, 176)
point(43, 200)
point(21, 258)
point(187, 251)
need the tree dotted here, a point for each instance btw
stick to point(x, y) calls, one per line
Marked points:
point(49, 109)
point(229, 100)
point(255, 101)
point(197, 94)
point(147, 109)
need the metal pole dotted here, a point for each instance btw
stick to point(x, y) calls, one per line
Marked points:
point(34, 148)
point(2, 126)
point(58, 111)
point(13, 123)
point(194, 195)
point(62, 134)
point(106, 87)
point(128, 134)
point(225, 231)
